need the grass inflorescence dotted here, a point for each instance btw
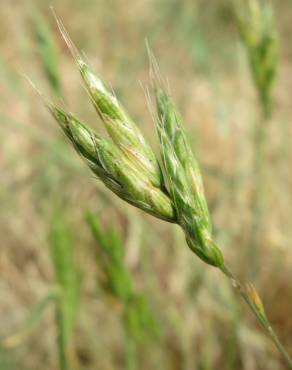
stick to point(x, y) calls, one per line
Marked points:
point(169, 188)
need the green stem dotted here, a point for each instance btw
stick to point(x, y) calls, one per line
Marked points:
point(262, 320)
point(258, 192)
point(130, 346)
point(62, 347)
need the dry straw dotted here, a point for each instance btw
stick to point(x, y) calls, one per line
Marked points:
point(126, 164)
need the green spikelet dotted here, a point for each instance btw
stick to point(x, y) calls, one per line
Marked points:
point(117, 280)
point(171, 123)
point(123, 131)
point(183, 179)
point(113, 168)
point(257, 30)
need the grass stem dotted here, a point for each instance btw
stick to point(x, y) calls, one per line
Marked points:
point(62, 347)
point(258, 193)
point(130, 347)
point(262, 319)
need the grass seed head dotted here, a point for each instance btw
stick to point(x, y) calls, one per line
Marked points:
point(183, 178)
point(120, 127)
point(116, 279)
point(113, 168)
point(123, 131)
point(170, 122)
point(257, 30)
point(126, 164)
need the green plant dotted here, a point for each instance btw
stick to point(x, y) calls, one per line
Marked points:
point(67, 284)
point(137, 319)
point(47, 51)
point(126, 164)
point(63, 295)
point(258, 34)
point(255, 23)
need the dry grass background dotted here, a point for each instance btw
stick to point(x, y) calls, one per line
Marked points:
point(202, 325)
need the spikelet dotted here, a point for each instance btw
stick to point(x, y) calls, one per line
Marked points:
point(257, 30)
point(182, 176)
point(123, 131)
point(113, 168)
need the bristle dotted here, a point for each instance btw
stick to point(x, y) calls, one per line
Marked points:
point(44, 99)
point(65, 35)
point(154, 71)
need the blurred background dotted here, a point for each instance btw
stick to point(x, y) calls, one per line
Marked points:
point(88, 282)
